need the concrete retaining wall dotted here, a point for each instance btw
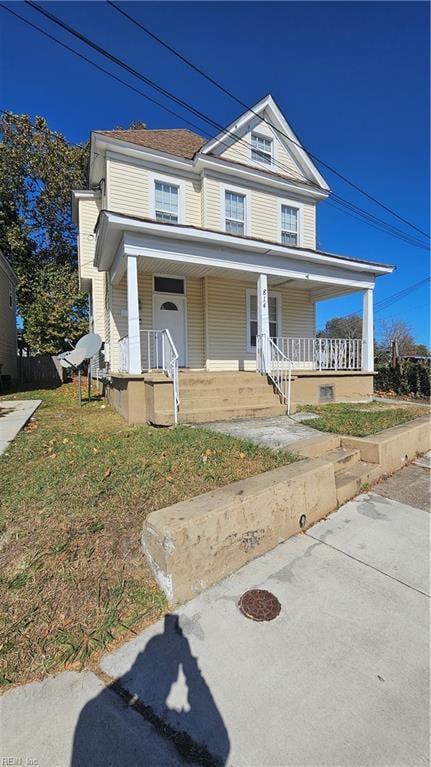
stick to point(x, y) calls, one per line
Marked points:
point(395, 447)
point(196, 543)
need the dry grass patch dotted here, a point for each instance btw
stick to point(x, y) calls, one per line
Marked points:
point(76, 486)
point(361, 420)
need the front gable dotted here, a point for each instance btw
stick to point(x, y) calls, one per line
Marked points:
point(265, 128)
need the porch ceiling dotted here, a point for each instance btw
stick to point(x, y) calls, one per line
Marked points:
point(162, 267)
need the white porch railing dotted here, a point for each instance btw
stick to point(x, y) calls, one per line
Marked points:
point(322, 353)
point(271, 359)
point(123, 354)
point(158, 352)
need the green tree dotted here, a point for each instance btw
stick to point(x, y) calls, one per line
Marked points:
point(342, 327)
point(38, 170)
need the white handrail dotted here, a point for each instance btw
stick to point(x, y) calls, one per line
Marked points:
point(271, 360)
point(161, 354)
point(158, 352)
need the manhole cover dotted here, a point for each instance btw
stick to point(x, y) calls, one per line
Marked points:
point(259, 605)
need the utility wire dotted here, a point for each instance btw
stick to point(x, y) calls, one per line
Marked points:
point(387, 227)
point(162, 90)
point(251, 109)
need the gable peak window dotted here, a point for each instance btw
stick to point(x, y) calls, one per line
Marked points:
point(166, 202)
point(289, 225)
point(261, 149)
point(234, 212)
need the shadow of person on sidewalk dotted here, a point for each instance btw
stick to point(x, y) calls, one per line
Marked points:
point(173, 709)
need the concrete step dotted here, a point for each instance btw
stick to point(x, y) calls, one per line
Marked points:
point(231, 400)
point(239, 378)
point(208, 415)
point(316, 447)
point(353, 480)
point(224, 390)
point(342, 457)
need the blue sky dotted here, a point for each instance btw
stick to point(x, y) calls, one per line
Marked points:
point(352, 79)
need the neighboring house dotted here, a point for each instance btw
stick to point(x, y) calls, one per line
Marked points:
point(8, 343)
point(201, 255)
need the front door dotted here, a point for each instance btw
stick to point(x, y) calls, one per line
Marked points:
point(169, 314)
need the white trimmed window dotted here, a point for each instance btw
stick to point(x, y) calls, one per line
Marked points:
point(261, 149)
point(274, 318)
point(289, 225)
point(234, 212)
point(166, 202)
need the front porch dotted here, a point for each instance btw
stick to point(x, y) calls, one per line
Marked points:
point(191, 304)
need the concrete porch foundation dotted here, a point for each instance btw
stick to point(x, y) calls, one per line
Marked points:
point(226, 396)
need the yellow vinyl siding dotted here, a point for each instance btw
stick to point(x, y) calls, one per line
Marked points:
point(195, 323)
point(264, 213)
point(227, 322)
point(129, 190)
point(284, 163)
point(88, 213)
point(8, 350)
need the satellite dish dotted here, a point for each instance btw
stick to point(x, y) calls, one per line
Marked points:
point(86, 348)
point(89, 344)
point(75, 358)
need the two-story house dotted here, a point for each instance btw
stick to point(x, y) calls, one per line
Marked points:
point(200, 261)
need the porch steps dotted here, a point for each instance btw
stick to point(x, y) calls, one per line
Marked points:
point(209, 415)
point(226, 396)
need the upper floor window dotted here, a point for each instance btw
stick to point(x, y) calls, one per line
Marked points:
point(289, 225)
point(166, 202)
point(261, 149)
point(234, 213)
point(10, 296)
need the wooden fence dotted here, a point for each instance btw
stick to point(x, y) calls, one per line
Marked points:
point(40, 371)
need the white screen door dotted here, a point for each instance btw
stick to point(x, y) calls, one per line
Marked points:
point(169, 313)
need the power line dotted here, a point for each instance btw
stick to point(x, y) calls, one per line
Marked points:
point(388, 228)
point(182, 103)
point(251, 109)
point(392, 299)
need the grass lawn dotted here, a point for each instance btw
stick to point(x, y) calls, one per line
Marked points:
point(75, 488)
point(360, 420)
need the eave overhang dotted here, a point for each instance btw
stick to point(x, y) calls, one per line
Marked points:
point(216, 248)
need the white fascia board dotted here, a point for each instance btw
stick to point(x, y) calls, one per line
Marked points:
point(254, 175)
point(220, 239)
point(213, 258)
point(82, 194)
point(118, 267)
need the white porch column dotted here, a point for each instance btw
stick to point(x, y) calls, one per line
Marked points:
point(367, 332)
point(133, 316)
point(263, 364)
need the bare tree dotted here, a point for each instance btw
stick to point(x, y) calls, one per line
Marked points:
point(399, 331)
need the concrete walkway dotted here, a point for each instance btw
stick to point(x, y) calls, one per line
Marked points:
point(339, 678)
point(14, 414)
point(275, 432)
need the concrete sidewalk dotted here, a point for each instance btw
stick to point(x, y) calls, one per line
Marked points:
point(14, 415)
point(339, 678)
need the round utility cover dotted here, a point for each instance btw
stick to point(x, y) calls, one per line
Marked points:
point(259, 605)
point(90, 344)
point(75, 358)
